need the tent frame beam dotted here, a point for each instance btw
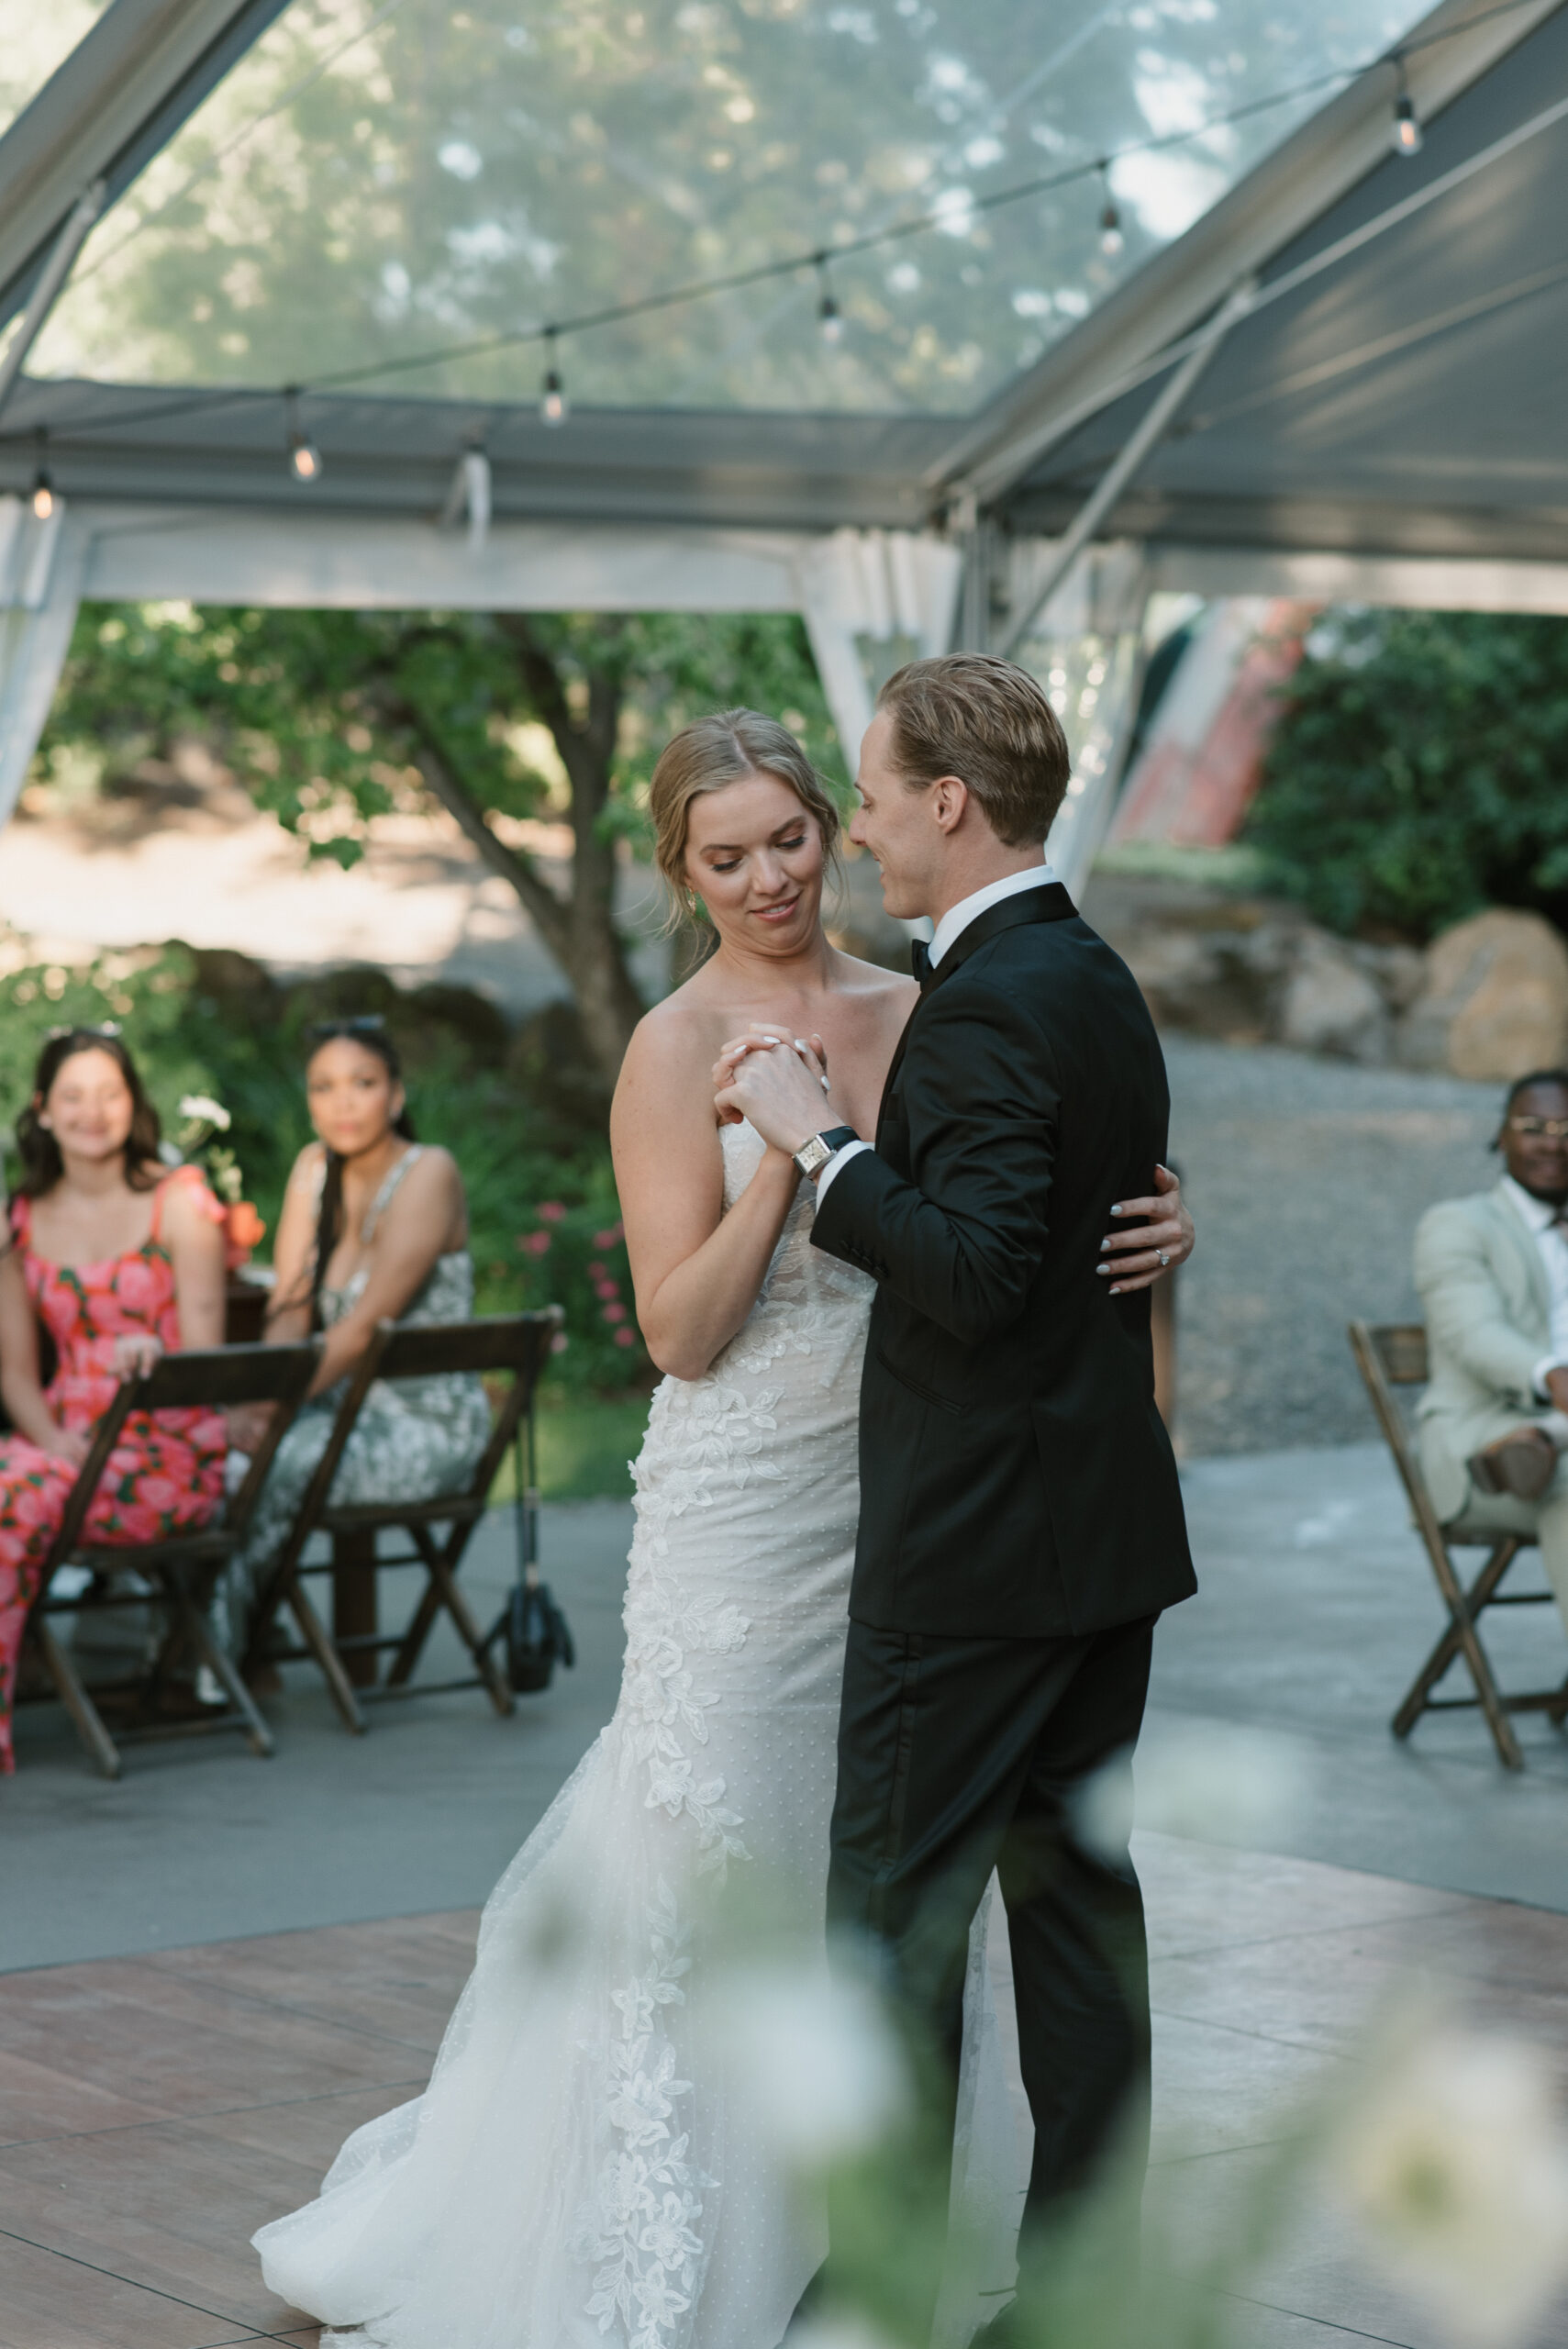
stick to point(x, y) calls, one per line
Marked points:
point(114, 105)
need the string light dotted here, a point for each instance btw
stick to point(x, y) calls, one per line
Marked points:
point(552, 403)
point(830, 318)
point(304, 457)
point(1111, 238)
point(1407, 133)
point(43, 488)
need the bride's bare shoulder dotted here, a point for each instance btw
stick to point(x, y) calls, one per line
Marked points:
point(672, 1051)
point(875, 984)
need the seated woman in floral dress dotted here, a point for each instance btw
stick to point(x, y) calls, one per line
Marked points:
point(121, 1259)
point(375, 1227)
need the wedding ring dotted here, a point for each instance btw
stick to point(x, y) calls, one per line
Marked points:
point(826, 1086)
point(1164, 1260)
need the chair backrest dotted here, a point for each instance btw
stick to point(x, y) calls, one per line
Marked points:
point(1390, 1354)
point(520, 1342)
point(1401, 1348)
point(214, 1378)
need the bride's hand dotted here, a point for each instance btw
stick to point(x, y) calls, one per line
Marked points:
point(762, 1038)
point(1135, 1255)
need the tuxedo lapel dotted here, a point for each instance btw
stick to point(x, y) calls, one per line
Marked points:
point(1522, 1242)
point(1049, 903)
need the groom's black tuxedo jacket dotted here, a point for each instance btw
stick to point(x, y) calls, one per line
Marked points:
point(1016, 1479)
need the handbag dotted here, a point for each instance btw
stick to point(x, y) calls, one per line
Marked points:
point(538, 1636)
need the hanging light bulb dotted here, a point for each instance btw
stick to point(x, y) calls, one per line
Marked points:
point(304, 457)
point(830, 318)
point(1407, 136)
point(44, 499)
point(1111, 238)
point(552, 403)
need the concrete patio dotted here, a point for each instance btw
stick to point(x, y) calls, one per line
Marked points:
point(219, 1965)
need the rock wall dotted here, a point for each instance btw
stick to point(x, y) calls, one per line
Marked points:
point(1488, 999)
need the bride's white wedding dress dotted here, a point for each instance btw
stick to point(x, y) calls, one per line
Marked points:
point(584, 2170)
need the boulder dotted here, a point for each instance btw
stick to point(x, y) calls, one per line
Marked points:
point(1330, 1004)
point(1495, 1000)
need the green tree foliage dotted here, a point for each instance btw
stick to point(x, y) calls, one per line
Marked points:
point(332, 718)
point(1420, 772)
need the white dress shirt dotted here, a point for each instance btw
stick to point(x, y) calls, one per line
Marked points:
point(953, 924)
point(1540, 1217)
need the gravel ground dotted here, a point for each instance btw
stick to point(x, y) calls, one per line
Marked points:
point(1306, 1177)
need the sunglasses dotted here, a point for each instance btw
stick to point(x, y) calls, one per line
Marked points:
point(369, 1023)
point(1554, 1129)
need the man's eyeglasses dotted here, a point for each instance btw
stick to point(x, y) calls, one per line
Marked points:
point(1553, 1129)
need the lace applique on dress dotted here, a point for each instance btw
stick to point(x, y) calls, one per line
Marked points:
point(640, 2235)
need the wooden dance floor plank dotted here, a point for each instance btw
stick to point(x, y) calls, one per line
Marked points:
point(155, 2111)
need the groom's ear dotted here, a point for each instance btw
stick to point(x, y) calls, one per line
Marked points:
point(949, 799)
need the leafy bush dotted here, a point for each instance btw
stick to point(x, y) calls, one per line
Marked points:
point(216, 1024)
point(1418, 772)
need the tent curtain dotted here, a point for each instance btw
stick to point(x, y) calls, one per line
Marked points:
point(41, 569)
point(1086, 648)
point(871, 600)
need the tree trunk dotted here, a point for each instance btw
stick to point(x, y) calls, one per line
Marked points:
point(580, 931)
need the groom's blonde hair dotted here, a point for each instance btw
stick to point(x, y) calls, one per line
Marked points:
point(713, 753)
point(989, 723)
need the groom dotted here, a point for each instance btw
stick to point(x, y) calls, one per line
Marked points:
point(1021, 1523)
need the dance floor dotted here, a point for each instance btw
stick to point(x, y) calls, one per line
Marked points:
point(154, 2110)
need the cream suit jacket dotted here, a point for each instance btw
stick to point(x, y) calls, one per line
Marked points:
point(1488, 1323)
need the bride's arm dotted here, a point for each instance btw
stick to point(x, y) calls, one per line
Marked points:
point(697, 1271)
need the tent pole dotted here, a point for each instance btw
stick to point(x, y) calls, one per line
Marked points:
point(1108, 489)
point(53, 276)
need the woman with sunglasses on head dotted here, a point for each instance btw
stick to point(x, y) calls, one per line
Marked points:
point(375, 1227)
point(122, 1260)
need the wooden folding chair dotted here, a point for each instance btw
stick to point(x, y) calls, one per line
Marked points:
point(515, 1342)
point(182, 1567)
point(1393, 1354)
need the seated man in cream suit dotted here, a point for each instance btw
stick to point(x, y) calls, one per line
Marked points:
point(1493, 1273)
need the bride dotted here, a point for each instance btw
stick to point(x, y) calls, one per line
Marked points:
point(584, 2167)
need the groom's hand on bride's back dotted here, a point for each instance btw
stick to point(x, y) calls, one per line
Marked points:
point(1148, 1236)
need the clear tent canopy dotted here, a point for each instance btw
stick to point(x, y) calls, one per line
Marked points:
point(891, 312)
point(379, 182)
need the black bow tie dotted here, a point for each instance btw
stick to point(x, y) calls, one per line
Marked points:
point(920, 963)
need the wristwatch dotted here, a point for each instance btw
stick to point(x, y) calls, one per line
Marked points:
point(813, 1156)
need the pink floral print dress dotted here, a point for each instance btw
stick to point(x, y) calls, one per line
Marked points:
point(166, 1472)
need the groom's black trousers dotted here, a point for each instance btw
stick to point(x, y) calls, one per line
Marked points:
point(960, 1756)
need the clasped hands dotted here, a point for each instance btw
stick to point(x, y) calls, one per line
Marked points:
point(778, 1084)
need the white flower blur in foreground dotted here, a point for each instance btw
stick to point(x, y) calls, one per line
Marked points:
point(840, 2332)
point(1456, 2165)
point(204, 1110)
point(818, 2063)
point(1211, 1780)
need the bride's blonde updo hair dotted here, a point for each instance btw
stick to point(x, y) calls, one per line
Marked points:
point(710, 754)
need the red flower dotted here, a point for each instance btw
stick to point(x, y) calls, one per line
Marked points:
point(606, 1289)
point(614, 1313)
point(626, 1337)
point(607, 1238)
point(550, 1211)
point(596, 1269)
point(535, 1244)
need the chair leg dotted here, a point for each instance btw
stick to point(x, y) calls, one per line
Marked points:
point(101, 1747)
point(195, 1626)
point(443, 1591)
point(313, 1631)
point(1480, 1592)
point(1463, 1639)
